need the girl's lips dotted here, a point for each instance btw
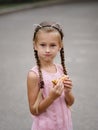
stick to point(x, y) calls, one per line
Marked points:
point(47, 54)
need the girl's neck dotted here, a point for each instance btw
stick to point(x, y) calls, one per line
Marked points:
point(46, 64)
point(49, 67)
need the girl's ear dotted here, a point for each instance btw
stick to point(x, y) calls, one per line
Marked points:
point(59, 49)
point(34, 46)
point(61, 45)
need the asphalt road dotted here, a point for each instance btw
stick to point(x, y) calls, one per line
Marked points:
point(80, 25)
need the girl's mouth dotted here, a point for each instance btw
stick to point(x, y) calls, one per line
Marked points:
point(47, 54)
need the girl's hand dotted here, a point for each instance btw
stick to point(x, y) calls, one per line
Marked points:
point(69, 98)
point(56, 90)
point(67, 85)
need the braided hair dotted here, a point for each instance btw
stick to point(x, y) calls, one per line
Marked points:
point(48, 27)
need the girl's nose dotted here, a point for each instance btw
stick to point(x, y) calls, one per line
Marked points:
point(47, 49)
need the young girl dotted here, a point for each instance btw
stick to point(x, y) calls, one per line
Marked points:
point(52, 111)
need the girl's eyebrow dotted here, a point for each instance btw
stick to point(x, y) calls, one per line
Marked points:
point(53, 43)
point(42, 43)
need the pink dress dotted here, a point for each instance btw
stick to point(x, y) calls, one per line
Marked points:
point(57, 116)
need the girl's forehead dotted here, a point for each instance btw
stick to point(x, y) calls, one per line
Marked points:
point(51, 35)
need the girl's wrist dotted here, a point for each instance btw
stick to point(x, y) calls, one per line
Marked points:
point(67, 95)
point(51, 100)
point(67, 92)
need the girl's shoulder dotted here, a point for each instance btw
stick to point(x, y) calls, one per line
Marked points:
point(33, 73)
point(34, 70)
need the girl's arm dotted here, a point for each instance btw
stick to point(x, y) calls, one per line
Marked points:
point(69, 98)
point(33, 89)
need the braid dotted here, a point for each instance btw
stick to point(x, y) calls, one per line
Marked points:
point(63, 60)
point(41, 83)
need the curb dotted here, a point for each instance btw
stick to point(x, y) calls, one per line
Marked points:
point(30, 6)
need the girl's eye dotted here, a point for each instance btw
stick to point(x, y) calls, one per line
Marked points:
point(42, 44)
point(53, 45)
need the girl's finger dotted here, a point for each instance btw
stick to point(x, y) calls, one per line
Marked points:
point(61, 87)
point(59, 84)
point(67, 82)
point(60, 90)
point(68, 86)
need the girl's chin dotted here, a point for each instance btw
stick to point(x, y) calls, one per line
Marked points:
point(48, 60)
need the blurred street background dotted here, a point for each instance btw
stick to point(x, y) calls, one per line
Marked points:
point(79, 20)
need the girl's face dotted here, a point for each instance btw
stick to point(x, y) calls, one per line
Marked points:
point(47, 45)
